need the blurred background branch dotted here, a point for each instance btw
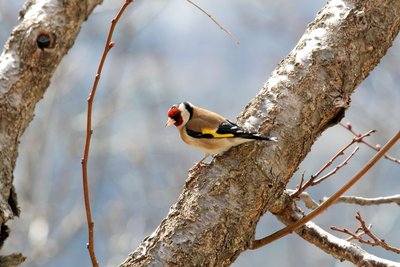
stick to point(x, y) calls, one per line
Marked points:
point(30, 56)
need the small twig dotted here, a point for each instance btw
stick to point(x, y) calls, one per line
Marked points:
point(294, 226)
point(312, 181)
point(326, 176)
point(366, 230)
point(301, 181)
point(236, 40)
point(352, 236)
point(349, 127)
point(89, 132)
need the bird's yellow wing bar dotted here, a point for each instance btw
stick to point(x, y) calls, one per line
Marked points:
point(215, 134)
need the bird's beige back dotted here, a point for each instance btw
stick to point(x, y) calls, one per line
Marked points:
point(203, 118)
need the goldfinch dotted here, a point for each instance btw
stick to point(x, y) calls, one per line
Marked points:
point(207, 130)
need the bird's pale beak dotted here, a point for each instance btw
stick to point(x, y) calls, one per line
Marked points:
point(169, 122)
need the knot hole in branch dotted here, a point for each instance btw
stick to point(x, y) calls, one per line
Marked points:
point(45, 40)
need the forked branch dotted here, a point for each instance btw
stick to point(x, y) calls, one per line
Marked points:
point(349, 127)
point(313, 179)
point(364, 230)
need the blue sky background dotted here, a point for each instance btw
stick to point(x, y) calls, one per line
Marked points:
point(167, 52)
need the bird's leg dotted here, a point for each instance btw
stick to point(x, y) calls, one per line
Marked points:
point(195, 167)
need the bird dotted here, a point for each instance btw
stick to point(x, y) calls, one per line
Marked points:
point(208, 131)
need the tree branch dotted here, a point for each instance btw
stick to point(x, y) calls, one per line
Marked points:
point(338, 248)
point(313, 179)
point(349, 127)
point(215, 217)
point(47, 30)
point(365, 230)
point(364, 201)
point(321, 208)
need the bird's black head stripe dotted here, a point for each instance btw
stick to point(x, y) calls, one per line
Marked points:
point(189, 109)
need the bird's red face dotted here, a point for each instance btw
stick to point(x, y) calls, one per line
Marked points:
point(174, 117)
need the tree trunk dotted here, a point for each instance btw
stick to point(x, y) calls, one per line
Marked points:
point(216, 215)
point(47, 30)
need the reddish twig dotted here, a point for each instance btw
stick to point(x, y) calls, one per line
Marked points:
point(326, 176)
point(349, 127)
point(366, 230)
point(294, 226)
point(89, 132)
point(313, 179)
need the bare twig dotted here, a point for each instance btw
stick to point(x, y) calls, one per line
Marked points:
point(349, 127)
point(89, 132)
point(236, 40)
point(289, 229)
point(366, 230)
point(326, 176)
point(352, 236)
point(312, 181)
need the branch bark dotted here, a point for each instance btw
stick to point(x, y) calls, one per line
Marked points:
point(338, 248)
point(46, 31)
point(215, 217)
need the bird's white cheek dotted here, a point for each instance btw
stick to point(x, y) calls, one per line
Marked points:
point(185, 116)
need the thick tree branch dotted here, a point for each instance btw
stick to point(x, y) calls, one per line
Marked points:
point(47, 30)
point(216, 215)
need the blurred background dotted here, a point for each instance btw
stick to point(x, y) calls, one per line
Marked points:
point(167, 52)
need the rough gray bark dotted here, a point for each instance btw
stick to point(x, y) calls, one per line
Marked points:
point(216, 215)
point(47, 30)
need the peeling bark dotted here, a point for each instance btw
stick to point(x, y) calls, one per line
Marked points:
point(216, 215)
point(46, 31)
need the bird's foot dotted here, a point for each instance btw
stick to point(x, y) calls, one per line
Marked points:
point(198, 165)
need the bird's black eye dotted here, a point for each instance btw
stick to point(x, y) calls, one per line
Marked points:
point(176, 117)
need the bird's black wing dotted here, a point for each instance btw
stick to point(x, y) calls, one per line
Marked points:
point(229, 127)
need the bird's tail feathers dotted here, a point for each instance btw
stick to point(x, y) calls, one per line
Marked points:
point(258, 136)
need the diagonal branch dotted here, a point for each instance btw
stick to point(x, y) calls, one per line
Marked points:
point(349, 127)
point(329, 174)
point(321, 208)
point(222, 27)
point(215, 217)
point(313, 179)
